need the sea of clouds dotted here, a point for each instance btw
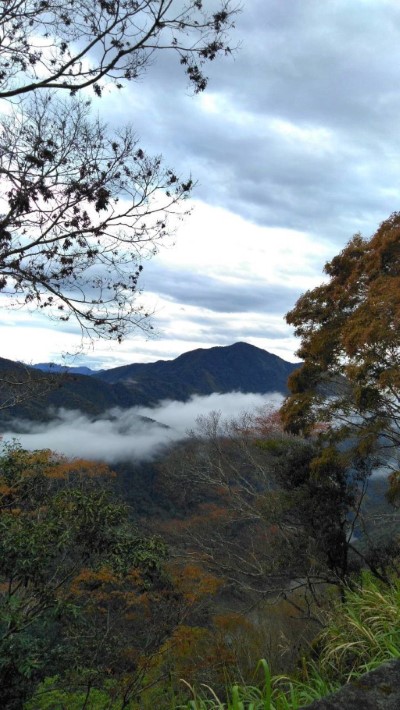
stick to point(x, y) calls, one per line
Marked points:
point(123, 435)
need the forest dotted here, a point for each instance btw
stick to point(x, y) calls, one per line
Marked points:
point(240, 562)
point(255, 564)
point(248, 553)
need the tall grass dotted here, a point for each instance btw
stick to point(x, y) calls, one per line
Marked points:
point(276, 693)
point(362, 632)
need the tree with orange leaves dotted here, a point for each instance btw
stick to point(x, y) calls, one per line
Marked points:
point(350, 347)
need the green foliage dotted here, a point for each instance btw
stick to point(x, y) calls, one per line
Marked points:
point(65, 545)
point(275, 693)
point(273, 446)
point(362, 632)
point(49, 696)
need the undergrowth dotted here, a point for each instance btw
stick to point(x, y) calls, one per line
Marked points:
point(362, 632)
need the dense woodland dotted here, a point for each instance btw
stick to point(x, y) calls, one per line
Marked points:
point(256, 563)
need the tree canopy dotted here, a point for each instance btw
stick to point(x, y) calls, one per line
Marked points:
point(82, 208)
point(79, 585)
point(349, 330)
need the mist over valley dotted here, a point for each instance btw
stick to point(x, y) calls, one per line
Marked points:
point(135, 412)
point(134, 434)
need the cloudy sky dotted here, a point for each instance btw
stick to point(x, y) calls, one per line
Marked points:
point(295, 146)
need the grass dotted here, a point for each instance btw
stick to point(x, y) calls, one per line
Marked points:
point(362, 632)
point(276, 693)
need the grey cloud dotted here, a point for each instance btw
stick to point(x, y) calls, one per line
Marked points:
point(319, 66)
point(216, 295)
point(333, 66)
point(225, 333)
point(231, 333)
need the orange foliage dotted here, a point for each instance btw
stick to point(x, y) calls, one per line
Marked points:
point(95, 586)
point(194, 583)
point(269, 423)
point(54, 466)
point(349, 330)
point(63, 468)
point(207, 514)
point(230, 621)
point(5, 490)
point(193, 653)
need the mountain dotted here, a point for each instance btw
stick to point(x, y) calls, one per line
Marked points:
point(29, 393)
point(53, 367)
point(239, 367)
point(32, 393)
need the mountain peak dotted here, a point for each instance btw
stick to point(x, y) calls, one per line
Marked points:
point(237, 367)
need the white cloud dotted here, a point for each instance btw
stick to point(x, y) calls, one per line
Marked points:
point(122, 435)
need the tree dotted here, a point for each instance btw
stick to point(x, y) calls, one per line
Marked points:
point(50, 44)
point(81, 209)
point(82, 592)
point(19, 383)
point(266, 510)
point(350, 347)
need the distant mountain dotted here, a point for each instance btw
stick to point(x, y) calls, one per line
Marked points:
point(32, 392)
point(53, 367)
point(28, 393)
point(239, 367)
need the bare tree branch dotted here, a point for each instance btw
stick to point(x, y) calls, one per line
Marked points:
point(51, 44)
point(81, 210)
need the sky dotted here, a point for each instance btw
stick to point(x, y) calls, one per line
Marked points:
point(294, 148)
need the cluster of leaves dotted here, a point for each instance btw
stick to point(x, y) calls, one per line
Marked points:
point(51, 44)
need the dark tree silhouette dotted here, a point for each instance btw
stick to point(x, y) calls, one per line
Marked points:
point(71, 45)
point(81, 208)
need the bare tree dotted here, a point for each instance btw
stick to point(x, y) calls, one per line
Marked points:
point(255, 511)
point(81, 209)
point(71, 45)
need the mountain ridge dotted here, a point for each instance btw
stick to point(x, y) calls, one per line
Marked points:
point(55, 368)
point(240, 367)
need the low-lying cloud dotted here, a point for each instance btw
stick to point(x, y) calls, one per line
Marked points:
point(128, 434)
